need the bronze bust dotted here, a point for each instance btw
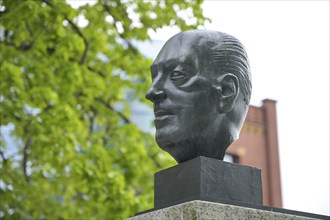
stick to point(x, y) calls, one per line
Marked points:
point(201, 88)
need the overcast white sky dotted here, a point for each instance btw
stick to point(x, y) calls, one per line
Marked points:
point(288, 46)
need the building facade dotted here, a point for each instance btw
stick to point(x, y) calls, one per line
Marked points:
point(257, 146)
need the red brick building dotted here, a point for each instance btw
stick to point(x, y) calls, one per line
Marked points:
point(258, 147)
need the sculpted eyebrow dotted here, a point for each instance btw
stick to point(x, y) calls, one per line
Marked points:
point(171, 64)
point(168, 63)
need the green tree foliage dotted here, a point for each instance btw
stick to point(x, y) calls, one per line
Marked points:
point(78, 154)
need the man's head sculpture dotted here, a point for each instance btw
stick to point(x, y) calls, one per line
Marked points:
point(201, 88)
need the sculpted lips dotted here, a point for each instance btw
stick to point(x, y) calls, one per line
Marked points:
point(162, 113)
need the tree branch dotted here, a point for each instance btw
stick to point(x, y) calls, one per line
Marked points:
point(3, 156)
point(95, 71)
point(25, 158)
point(28, 27)
point(92, 118)
point(153, 158)
point(23, 47)
point(76, 28)
point(126, 120)
point(129, 44)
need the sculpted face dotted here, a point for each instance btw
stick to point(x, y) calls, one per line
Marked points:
point(185, 103)
point(201, 86)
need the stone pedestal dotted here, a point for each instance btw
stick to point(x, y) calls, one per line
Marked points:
point(201, 210)
point(205, 188)
point(208, 179)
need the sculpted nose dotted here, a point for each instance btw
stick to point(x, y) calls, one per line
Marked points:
point(155, 94)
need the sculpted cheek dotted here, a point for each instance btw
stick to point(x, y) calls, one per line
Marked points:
point(196, 83)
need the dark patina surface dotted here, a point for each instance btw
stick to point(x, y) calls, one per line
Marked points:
point(201, 88)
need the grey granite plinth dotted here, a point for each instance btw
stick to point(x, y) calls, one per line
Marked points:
point(208, 179)
point(202, 210)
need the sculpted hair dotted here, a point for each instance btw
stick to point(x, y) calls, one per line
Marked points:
point(229, 56)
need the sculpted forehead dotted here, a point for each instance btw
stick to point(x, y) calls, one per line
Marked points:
point(190, 44)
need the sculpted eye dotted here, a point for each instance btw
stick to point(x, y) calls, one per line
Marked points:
point(176, 75)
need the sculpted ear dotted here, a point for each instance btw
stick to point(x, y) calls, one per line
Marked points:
point(227, 88)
